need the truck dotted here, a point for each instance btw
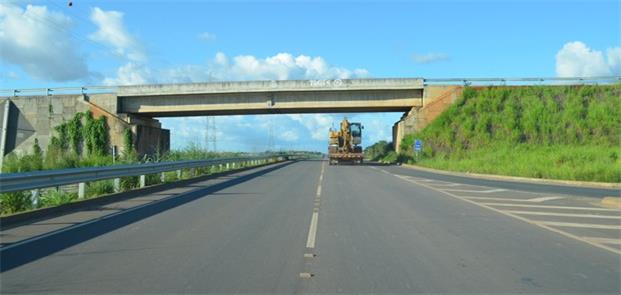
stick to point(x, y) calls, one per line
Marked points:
point(344, 144)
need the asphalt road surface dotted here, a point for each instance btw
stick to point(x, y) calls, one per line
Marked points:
point(307, 227)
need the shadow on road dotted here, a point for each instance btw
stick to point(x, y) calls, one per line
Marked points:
point(53, 242)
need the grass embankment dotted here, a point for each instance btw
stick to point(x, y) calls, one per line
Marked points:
point(557, 132)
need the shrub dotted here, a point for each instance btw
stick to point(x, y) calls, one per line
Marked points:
point(54, 197)
point(15, 202)
point(98, 188)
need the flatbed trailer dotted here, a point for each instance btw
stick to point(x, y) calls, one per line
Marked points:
point(336, 158)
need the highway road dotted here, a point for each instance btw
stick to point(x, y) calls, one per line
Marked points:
point(307, 227)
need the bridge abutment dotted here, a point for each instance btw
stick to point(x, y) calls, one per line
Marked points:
point(26, 118)
point(436, 99)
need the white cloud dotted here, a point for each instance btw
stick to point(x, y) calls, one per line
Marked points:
point(316, 124)
point(130, 74)
point(289, 135)
point(39, 41)
point(614, 60)
point(207, 36)
point(429, 57)
point(281, 66)
point(576, 59)
point(111, 31)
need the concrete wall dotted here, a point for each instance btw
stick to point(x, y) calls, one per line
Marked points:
point(436, 99)
point(33, 117)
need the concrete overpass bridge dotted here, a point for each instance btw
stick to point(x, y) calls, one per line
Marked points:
point(271, 97)
point(33, 113)
point(26, 117)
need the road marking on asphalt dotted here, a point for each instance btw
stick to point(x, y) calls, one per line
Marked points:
point(421, 179)
point(495, 190)
point(580, 225)
point(451, 184)
point(604, 240)
point(543, 199)
point(546, 224)
point(319, 190)
point(551, 207)
point(309, 255)
point(312, 231)
point(533, 200)
point(562, 214)
point(306, 275)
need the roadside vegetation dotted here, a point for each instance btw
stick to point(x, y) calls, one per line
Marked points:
point(83, 142)
point(558, 132)
point(383, 152)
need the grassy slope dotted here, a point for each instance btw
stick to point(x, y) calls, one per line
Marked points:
point(561, 132)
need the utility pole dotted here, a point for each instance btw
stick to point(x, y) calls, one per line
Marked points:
point(270, 134)
point(210, 134)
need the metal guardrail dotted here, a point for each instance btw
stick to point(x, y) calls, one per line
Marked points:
point(581, 80)
point(58, 90)
point(35, 180)
point(466, 81)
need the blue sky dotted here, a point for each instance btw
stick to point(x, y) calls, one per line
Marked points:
point(46, 44)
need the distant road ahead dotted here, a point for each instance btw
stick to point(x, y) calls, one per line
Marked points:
point(308, 227)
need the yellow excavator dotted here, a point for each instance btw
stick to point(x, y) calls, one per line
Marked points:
point(344, 144)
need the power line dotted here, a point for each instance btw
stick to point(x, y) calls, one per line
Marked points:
point(64, 30)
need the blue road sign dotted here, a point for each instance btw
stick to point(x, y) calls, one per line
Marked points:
point(418, 145)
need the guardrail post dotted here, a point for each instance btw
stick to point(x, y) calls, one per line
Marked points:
point(143, 180)
point(162, 177)
point(116, 183)
point(81, 190)
point(34, 197)
point(178, 174)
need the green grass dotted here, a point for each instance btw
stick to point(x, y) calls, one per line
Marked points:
point(560, 132)
point(583, 163)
